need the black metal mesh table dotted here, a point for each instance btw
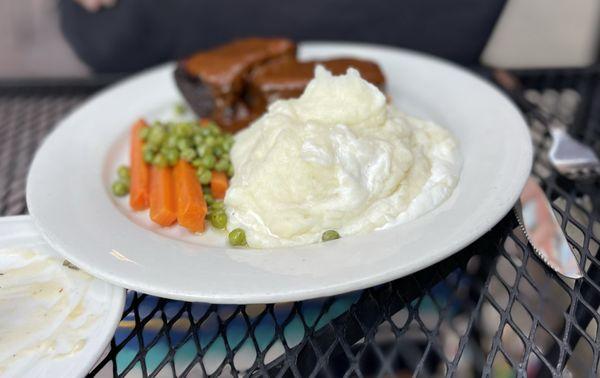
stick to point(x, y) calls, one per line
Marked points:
point(491, 309)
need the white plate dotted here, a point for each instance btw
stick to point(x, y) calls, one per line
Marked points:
point(68, 193)
point(21, 232)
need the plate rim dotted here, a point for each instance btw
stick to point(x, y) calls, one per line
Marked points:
point(332, 289)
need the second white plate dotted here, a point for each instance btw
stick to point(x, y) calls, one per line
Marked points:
point(68, 193)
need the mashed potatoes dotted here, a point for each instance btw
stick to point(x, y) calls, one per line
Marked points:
point(337, 158)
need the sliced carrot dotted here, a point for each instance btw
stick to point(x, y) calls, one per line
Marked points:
point(218, 185)
point(191, 206)
point(162, 196)
point(138, 191)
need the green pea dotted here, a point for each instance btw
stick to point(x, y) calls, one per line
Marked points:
point(330, 235)
point(209, 161)
point(172, 156)
point(171, 141)
point(180, 109)
point(144, 133)
point(210, 141)
point(209, 199)
point(184, 143)
point(217, 206)
point(237, 237)
point(230, 171)
point(205, 132)
point(204, 176)
point(204, 150)
point(182, 129)
point(157, 136)
point(148, 155)
point(218, 151)
point(188, 154)
point(124, 173)
point(198, 139)
point(218, 219)
point(196, 162)
point(160, 160)
point(221, 165)
point(206, 190)
point(120, 188)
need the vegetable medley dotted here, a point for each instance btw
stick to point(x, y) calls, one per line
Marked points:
point(180, 171)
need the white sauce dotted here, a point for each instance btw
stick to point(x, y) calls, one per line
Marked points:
point(47, 310)
point(336, 158)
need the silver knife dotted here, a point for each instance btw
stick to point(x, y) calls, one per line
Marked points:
point(537, 219)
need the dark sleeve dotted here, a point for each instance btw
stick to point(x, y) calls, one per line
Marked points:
point(139, 33)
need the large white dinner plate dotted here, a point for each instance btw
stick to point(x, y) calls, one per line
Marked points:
point(68, 193)
point(20, 232)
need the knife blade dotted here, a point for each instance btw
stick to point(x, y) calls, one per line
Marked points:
point(538, 222)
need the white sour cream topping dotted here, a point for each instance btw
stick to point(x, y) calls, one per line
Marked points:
point(337, 158)
point(47, 311)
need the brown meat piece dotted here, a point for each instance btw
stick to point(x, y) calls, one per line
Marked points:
point(224, 68)
point(286, 78)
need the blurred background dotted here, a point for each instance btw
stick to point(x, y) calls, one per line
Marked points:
point(77, 38)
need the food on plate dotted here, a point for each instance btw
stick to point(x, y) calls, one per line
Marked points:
point(179, 170)
point(336, 158)
point(191, 205)
point(140, 174)
point(47, 310)
point(329, 158)
point(287, 77)
point(234, 83)
point(163, 210)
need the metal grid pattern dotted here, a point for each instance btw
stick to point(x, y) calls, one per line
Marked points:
point(491, 309)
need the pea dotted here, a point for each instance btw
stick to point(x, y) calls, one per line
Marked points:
point(237, 237)
point(218, 219)
point(184, 143)
point(230, 171)
point(188, 154)
point(180, 109)
point(157, 136)
point(148, 155)
point(330, 235)
point(210, 141)
point(171, 141)
point(198, 139)
point(144, 133)
point(160, 160)
point(218, 151)
point(222, 165)
point(209, 161)
point(196, 162)
point(209, 199)
point(124, 173)
point(218, 205)
point(172, 156)
point(204, 176)
point(182, 129)
point(206, 190)
point(204, 150)
point(120, 188)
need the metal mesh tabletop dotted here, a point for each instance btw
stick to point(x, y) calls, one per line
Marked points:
point(491, 309)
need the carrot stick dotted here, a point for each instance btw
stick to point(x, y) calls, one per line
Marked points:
point(218, 185)
point(191, 206)
point(162, 196)
point(138, 191)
